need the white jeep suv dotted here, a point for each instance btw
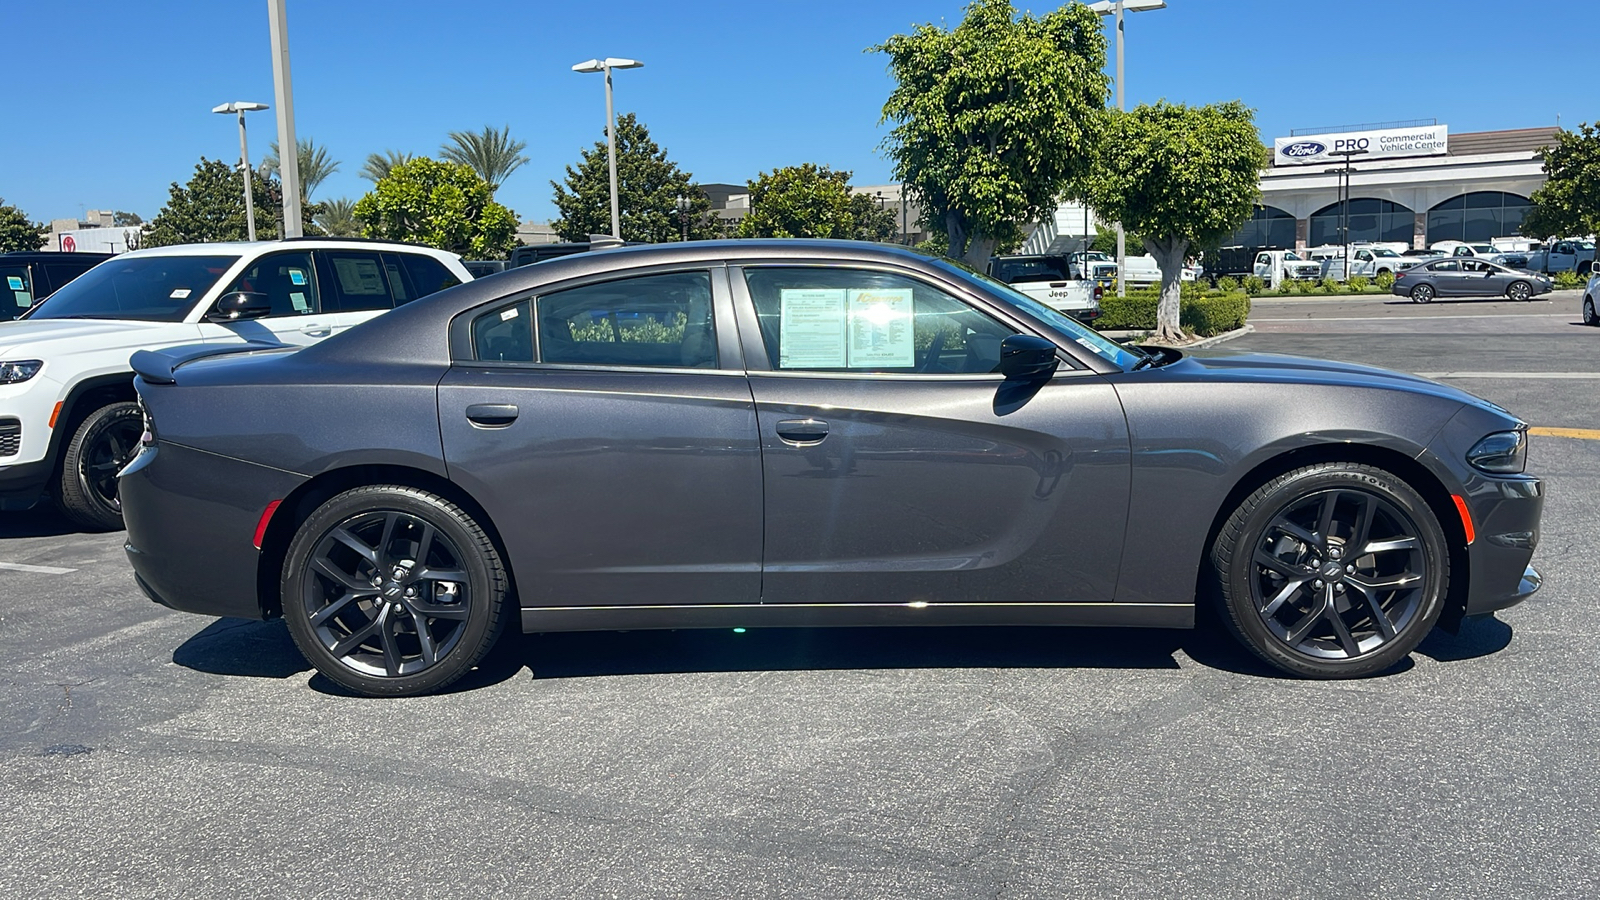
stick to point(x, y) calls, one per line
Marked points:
point(68, 413)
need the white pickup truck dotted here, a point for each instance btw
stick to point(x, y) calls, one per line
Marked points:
point(1563, 255)
point(1367, 260)
point(1047, 280)
point(1277, 266)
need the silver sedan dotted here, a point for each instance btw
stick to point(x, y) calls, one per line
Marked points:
point(1468, 277)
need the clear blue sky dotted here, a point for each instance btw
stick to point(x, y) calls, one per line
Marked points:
point(116, 100)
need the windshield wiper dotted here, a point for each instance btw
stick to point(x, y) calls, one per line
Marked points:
point(1150, 359)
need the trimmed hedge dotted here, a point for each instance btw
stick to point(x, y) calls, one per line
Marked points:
point(1199, 311)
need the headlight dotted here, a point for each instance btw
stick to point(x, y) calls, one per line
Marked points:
point(22, 370)
point(1501, 453)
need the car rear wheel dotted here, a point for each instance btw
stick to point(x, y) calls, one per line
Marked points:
point(1422, 293)
point(392, 591)
point(1520, 291)
point(102, 445)
point(1589, 316)
point(1336, 570)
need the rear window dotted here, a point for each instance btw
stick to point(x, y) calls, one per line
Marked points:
point(1021, 271)
point(148, 288)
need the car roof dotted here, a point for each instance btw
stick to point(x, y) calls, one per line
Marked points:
point(244, 248)
point(19, 255)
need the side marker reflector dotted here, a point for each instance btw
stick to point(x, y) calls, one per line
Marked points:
point(56, 413)
point(266, 519)
point(1466, 517)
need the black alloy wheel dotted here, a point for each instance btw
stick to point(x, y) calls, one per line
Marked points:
point(102, 445)
point(1422, 293)
point(392, 591)
point(1332, 571)
point(1520, 291)
point(1589, 316)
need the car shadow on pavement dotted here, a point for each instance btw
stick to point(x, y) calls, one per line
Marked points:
point(242, 647)
point(1478, 637)
point(43, 520)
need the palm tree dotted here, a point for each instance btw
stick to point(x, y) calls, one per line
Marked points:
point(315, 164)
point(379, 164)
point(338, 218)
point(491, 153)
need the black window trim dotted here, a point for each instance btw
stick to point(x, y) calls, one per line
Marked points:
point(757, 361)
point(463, 352)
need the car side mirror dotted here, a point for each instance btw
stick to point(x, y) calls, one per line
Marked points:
point(238, 306)
point(1025, 357)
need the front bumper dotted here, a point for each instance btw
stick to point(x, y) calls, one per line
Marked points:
point(1506, 516)
point(22, 484)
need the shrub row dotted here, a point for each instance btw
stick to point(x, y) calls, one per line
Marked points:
point(1201, 312)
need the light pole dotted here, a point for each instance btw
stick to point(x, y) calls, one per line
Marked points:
point(1116, 8)
point(241, 107)
point(683, 215)
point(1342, 195)
point(605, 66)
point(283, 90)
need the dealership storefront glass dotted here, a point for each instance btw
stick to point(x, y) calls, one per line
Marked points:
point(1370, 220)
point(1269, 227)
point(1478, 216)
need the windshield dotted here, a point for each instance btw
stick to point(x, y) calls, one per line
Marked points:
point(1385, 251)
point(1086, 337)
point(148, 288)
point(1290, 254)
point(1585, 245)
point(18, 295)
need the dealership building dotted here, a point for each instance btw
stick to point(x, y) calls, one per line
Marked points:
point(1417, 184)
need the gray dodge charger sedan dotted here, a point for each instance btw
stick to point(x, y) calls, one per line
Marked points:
point(805, 433)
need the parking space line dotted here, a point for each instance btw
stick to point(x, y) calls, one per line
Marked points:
point(1582, 434)
point(1562, 375)
point(42, 570)
point(1308, 318)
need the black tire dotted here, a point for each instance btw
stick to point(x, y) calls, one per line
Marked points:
point(1311, 605)
point(1422, 293)
point(1519, 291)
point(101, 446)
point(1589, 316)
point(376, 638)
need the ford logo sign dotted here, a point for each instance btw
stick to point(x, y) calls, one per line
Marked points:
point(1301, 149)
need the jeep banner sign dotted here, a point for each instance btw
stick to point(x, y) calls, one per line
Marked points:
point(1427, 140)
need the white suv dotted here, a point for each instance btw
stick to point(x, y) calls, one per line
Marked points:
point(68, 416)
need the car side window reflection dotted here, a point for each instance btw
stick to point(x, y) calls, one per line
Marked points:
point(287, 279)
point(504, 335)
point(851, 320)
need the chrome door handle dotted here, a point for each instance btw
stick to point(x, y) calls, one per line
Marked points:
point(316, 328)
point(492, 415)
point(802, 431)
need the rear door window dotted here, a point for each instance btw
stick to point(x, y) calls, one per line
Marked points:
point(359, 281)
point(18, 294)
point(428, 275)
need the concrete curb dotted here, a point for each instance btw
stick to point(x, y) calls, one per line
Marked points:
point(1203, 343)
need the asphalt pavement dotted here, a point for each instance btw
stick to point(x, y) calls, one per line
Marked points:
point(147, 753)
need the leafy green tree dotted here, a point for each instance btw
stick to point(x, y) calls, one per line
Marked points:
point(1180, 176)
point(648, 187)
point(995, 118)
point(211, 208)
point(490, 153)
point(1568, 204)
point(813, 201)
point(440, 204)
point(122, 219)
point(379, 164)
point(338, 218)
point(16, 232)
point(316, 164)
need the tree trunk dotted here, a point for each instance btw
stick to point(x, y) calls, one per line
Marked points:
point(979, 251)
point(1169, 254)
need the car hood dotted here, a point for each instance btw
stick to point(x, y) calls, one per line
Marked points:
point(34, 338)
point(1273, 367)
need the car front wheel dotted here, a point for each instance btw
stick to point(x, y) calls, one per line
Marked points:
point(1336, 570)
point(1422, 293)
point(1519, 291)
point(392, 591)
point(102, 445)
point(1589, 316)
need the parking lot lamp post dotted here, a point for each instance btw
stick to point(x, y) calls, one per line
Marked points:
point(241, 107)
point(1342, 197)
point(683, 215)
point(605, 66)
point(1116, 8)
point(288, 146)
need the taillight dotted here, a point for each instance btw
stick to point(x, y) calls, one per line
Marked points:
point(1099, 292)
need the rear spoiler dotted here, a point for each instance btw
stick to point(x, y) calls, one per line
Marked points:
point(159, 366)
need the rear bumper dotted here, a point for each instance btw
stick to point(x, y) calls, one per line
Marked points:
point(191, 519)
